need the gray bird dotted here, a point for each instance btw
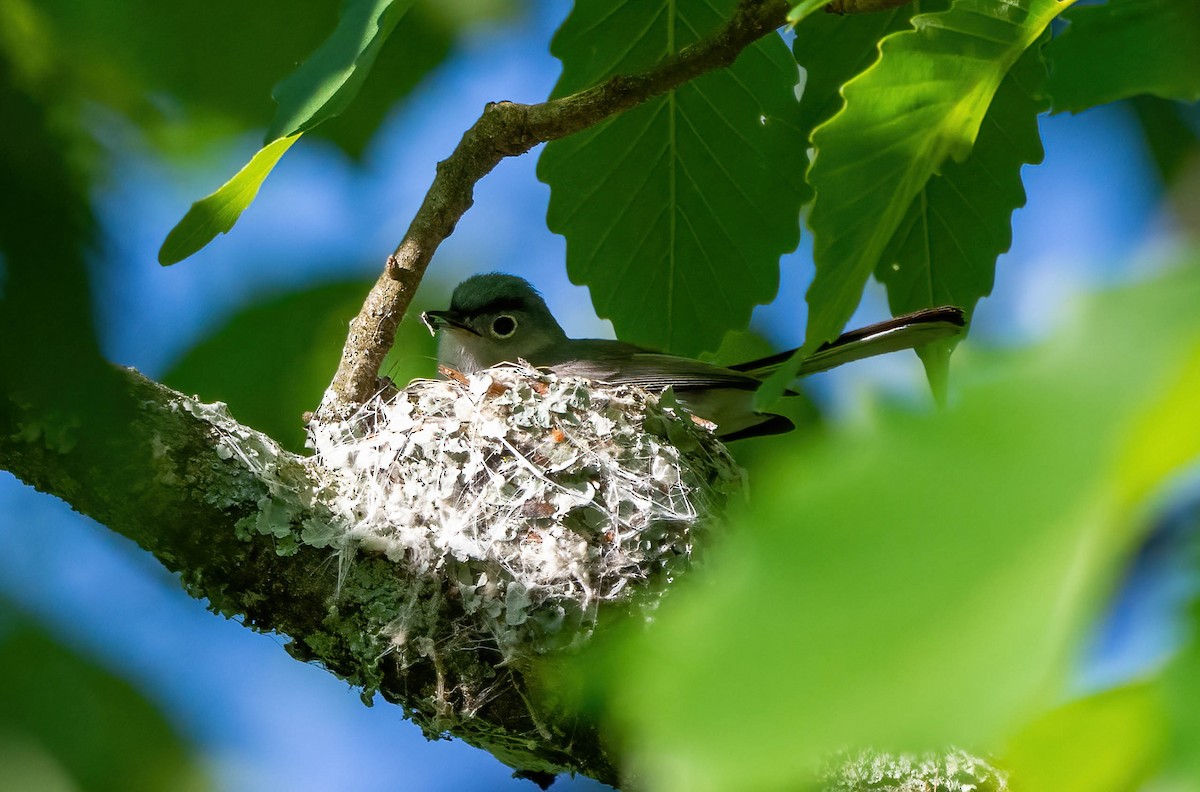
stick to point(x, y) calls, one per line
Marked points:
point(496, 318)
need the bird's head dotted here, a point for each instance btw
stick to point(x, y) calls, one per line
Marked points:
point(493, 318)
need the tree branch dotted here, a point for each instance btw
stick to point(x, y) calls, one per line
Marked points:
point(235, 515)
point(508, 129)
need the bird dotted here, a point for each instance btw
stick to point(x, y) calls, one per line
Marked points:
point(498, 318)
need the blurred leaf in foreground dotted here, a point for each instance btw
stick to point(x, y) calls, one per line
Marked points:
point(922, 581)
point(1107, 742)
point(1181, 681)
point(193, 72)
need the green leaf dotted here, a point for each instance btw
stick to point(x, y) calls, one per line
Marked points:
point(1124, 48)
point(326, 83)
point(916, 580)
point(832, 49)
point(420, 42)
point(322, 87)
point(676, 212)
point(216, 213)
point(920, 104)
point(1107, 742)
point(945, 250)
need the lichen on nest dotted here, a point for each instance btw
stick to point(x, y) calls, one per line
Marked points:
point(539, 498)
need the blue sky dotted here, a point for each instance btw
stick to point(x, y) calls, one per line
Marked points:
point(261, 719)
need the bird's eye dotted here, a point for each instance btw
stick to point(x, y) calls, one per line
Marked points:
point(504, 326)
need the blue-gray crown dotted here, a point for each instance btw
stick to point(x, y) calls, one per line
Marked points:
point(494, 292)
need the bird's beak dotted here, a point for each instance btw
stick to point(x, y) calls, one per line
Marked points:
point(435, 320)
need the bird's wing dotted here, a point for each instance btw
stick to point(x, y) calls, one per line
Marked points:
point(619, 363)
point(717, 394)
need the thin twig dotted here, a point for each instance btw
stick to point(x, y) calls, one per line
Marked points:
point(507, 129)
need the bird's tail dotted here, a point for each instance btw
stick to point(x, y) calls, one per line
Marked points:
point(903, 332)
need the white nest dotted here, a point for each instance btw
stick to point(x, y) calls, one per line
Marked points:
point(539, 497)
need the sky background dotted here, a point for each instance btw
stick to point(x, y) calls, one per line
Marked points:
point(260, 719)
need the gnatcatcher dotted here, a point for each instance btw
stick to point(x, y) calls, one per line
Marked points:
point(496, 318)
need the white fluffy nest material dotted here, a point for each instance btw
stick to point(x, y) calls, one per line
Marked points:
point(542, 497)
point(953, 770)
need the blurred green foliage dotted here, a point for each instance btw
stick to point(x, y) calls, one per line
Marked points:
point(195, 71)
point(46, 228)
point(192, 72)
point(66, 723)
point(1107, 742)
point(925, 579)
point(272, 361)
point(1181, 702)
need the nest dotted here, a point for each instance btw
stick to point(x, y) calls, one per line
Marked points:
point(535, 499)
